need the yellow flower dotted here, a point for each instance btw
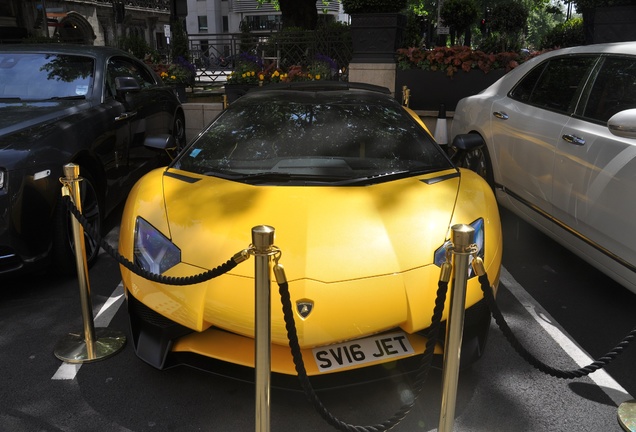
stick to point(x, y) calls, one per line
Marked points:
point(317, 76)
point(275, 74)
point(173, 77)
point(261, 77)
point(164, 74)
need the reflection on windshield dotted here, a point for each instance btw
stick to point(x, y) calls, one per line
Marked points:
point(307, 139)
point(43, 76)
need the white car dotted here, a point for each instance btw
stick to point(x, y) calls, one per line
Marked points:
point(560, 134)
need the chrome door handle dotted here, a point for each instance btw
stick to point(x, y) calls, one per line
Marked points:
point(125, 116)
point(500, 115)
point(573, 139)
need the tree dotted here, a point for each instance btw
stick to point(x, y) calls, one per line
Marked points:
point(508, 21)
point(459, 15)
point(296, 13)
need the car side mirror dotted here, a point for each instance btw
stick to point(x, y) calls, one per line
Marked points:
point(160, 142)
point(467, 142)
point(126, 84)
point(623, 124)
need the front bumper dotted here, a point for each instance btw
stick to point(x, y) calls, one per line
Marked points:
point(163, 343)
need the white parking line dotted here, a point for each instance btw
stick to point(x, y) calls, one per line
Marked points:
point(68, 371)
point(601, 378)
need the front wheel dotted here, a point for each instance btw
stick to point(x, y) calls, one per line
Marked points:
point(179, 135)
point(63, 249)
point(477, 160)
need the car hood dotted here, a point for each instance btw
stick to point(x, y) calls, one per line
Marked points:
point(325, 233)
point(17, 116)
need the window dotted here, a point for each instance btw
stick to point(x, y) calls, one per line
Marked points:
point(39, 76)
point(203, 23)
point(263, 22)
point(337, 137)
point(555, 84)
point(226, 24)
point(614, 89)
point(119, 67)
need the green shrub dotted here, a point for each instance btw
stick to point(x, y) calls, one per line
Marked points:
point(567, 34)
point(136, 45)
point(373, 6)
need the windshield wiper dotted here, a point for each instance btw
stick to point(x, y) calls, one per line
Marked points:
point(10, 99)
point(273, 177)
point(75, 97)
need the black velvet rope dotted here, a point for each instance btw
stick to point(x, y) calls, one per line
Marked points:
point(421, 376)
point(523, 352)
point(168, 280)
point(427, 357)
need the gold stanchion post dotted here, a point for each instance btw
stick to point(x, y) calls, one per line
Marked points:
point(462, 240)
point(262, 242)
point(92, 344)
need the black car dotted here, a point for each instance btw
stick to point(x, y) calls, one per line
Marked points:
point(89, 105)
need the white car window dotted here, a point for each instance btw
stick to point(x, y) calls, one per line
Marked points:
point(556, 84)
point(614, 89)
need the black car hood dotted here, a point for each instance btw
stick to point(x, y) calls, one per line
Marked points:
point(17, 116)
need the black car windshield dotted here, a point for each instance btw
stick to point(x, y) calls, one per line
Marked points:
point(42, 76)
point(305, 138)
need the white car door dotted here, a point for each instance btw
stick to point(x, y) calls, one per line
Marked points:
point(527, 126)
point(524, 140)
point(595, 171)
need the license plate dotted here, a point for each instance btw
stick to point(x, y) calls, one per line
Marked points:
point(360, 351)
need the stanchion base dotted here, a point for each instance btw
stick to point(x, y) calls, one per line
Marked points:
point(73, 349)
point(627, 415)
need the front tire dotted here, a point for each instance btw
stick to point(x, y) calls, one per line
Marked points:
point(479, 161)
point(63, 249)
point(179, 131)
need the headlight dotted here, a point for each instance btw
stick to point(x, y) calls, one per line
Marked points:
point(154, 252)
point(2, 178)
point(478, 226)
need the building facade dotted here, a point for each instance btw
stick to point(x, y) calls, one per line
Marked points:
point(93, 22)
point(226, 16)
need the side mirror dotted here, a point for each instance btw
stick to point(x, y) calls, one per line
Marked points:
point(623, 124)
point(160, 142)
point(467, 142)
point(125, 84)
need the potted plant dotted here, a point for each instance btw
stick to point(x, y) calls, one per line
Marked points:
point(247, 70)
point(444, 75)
point(376, 29)
point(250, 71)
point(179, 74)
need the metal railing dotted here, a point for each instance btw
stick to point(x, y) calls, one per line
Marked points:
point(145, 4)
point(215, 55)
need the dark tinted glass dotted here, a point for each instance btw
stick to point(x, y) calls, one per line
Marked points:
point(45, 76)
point(556, 84)
point(121, 67)
point(337, 137)
point(614, 89)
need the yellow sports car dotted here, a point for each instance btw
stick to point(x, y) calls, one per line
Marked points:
point(362, 200)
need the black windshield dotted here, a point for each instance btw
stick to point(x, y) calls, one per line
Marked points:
point(314, 139)
point(41, 76)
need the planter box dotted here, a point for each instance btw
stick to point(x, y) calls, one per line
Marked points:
point(180, 91)
point(235, 91)
point(375, 37)
point(430, 89)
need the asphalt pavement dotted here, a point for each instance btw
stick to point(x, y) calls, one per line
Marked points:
point(501, 392)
